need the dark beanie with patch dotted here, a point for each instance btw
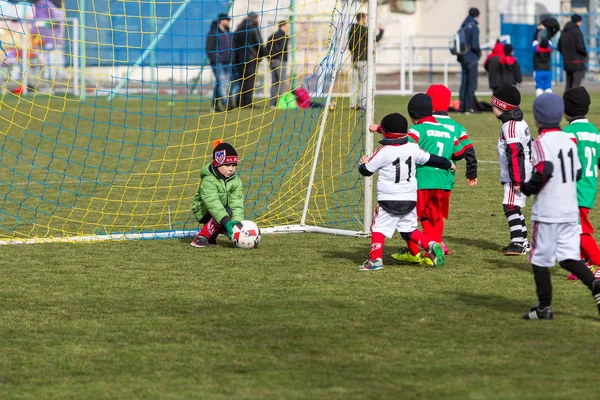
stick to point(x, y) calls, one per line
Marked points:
point(224, 154)
point(393, 126)
point(420, 106)
point(506, 98)
point(577, 102)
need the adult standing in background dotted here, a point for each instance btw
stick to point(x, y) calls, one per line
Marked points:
point(468, 62)
point(218, 50)
point(358, 41)
point(277, 51)
point(572, 47)
point(247, 44)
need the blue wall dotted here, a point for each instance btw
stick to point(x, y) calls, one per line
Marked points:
point(117, 31)
point(521, 37)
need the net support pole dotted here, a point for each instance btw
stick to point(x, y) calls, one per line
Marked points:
point(75, 59)
point(315, 163)
point(81, 45)
point(150, 48)
point(370, 112)
point(292, 20)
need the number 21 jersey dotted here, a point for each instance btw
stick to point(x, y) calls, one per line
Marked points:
point(557, 201)
point(588, 146)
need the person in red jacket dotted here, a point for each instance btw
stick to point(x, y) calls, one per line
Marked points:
point(303, 99)
point(509, 67)
point(491, 65)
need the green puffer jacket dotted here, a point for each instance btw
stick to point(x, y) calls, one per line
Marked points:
point(217, 192)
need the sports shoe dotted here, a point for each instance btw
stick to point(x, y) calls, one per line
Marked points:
point(515, 249)
point(426, 261)
point(446, 251)
point(406, 257)
point(436, 253)
point(537, 313)
point(199, 241)
point(371, 265)
point(596, 293)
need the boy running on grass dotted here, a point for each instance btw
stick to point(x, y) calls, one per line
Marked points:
point(555, 233)
point(440, 98)
point(514, 148)
point(434, 184)
point(396, 161)
point(586, 136)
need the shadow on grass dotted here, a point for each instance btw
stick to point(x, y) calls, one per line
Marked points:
point(492, 301)
point(479, 243)
point(503, 262)
point(356, 255)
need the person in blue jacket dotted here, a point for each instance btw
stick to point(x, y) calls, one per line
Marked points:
point(219, 51)
point(469, 63)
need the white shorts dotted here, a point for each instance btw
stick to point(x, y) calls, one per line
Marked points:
point(511, 198)
point(554, 242)
point(387, 224)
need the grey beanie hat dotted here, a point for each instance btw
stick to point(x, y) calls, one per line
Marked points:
point(548, 109)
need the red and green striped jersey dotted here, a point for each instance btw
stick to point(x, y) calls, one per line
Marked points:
point(459, 131)
point(435, 139)
point(588, 148)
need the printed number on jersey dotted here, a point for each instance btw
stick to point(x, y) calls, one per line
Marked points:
point(591, 168)
point(564, 166)
point(397, 163)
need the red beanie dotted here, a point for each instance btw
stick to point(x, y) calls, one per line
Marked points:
point(440, 97)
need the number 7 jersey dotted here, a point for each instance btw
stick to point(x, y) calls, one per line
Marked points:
point(557, 200)
point(434, 138)
point(587, 138)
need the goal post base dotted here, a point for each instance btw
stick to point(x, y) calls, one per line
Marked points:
point(178, 234)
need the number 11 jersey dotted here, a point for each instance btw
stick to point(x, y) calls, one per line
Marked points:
point(396, 165)
point(557, 201)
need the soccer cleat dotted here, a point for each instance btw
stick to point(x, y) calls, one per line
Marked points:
point(596, 293)
point(406, 257)
point(371, 265)
point(426, 261)
point(515, 249)
point(446, 251)
point(200, 241)
point(537, 313)
point(436, 253)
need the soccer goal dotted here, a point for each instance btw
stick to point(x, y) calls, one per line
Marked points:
point(108, 142)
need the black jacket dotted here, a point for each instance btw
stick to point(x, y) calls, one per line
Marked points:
point(472, 39)
point(510, 70)
point(247, 43)
point(277, 46)
point(358, 41)
point(492, 66)
point(218, 45)
point(572, 47)
point(542, 57)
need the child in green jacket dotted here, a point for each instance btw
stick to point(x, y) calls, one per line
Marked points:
point(219, 202)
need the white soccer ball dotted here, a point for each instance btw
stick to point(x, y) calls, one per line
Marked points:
point(246, 235)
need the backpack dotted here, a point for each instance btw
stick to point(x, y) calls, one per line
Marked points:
point(458, 42)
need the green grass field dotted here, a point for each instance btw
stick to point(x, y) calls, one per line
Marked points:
point(294, 319)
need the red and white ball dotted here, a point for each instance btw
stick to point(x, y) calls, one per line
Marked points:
point(246, 235)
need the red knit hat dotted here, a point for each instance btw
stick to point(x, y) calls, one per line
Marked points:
point(440, 97)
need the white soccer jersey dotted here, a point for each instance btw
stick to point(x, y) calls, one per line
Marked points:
point(557, 201)
point(514, 132)
point(397, 171)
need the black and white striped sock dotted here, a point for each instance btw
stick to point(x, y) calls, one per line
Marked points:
point(516, 224)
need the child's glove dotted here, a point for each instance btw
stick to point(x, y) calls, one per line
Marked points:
point(229, 227)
